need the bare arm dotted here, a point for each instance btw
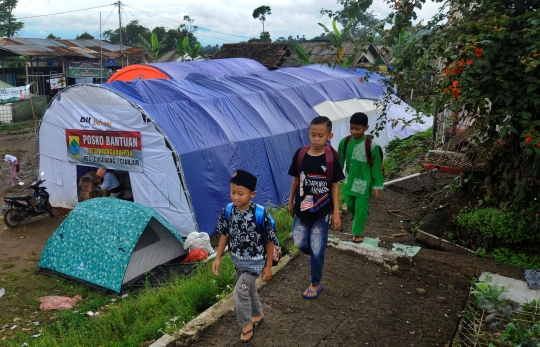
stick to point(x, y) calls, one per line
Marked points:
point(221, 248)
point(267, 271)
point(295, 181)
point(336, 218)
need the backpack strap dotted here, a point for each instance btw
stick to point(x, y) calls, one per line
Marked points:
point(259, 220)
point(228, 211)
point(367, 147)
point(345, 144)
point(301, 156)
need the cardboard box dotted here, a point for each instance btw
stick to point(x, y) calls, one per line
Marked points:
point(104, 193)
point(86, 179)
point(88, 195)
point(87, 186)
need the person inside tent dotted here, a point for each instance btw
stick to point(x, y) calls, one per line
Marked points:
point(110, 183)
point(14, 167)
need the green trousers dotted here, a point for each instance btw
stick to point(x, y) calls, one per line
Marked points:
point(358, 207)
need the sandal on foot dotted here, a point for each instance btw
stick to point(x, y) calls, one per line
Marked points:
point(258, 323)
point(308, 290)
point(244, 333)
point(357, 239)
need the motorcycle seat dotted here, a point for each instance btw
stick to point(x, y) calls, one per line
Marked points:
point(27, 197)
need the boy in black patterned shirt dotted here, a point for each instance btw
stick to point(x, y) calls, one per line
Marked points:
point(248, 247)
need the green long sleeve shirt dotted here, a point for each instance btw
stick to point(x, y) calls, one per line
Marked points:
point(362, 178)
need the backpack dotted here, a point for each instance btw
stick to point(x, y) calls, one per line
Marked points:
point(368, 143)
point(329, 152)
point(259, 220)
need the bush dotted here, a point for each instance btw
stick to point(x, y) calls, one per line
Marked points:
point(399, 153)
point(495, 224)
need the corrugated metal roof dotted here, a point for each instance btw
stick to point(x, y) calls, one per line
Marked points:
point(63, 48)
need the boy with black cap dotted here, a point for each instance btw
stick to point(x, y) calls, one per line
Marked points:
point(248, 247)
point(364, 172)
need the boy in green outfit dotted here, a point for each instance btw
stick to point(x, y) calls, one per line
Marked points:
point(363, 177)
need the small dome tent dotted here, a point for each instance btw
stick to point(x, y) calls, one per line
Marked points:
point(110, 243)
point(195, 129)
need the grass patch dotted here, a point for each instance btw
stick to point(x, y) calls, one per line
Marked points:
point(143, 316)
point(401, 153)
point(7, 265)
point(23, 127)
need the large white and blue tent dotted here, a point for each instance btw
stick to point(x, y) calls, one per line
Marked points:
point(207, 120)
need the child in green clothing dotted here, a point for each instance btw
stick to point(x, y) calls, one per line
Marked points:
point(363, 178)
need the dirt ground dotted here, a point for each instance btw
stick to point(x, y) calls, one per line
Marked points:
point(363, 303)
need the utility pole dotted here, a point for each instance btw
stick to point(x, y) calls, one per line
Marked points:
point(120, 31)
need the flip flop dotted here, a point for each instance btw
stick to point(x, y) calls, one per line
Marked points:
point(317, 292)
point(355, 239)
point(258, 323)
point(244, 333)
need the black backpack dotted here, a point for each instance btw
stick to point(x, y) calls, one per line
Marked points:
point(368, 143)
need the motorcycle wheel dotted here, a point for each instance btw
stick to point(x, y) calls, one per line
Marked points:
point(8, 218)
point(49, 209)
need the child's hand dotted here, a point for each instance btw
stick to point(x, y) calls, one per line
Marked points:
point(336, 221)
point(377, 193)
point(291, 209)
point(215, 266)
point(267, 273)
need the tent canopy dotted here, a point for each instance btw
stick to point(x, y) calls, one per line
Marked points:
point(214, 121)
point(110, 243)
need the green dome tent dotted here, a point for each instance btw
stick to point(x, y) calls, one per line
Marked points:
point(110, 243)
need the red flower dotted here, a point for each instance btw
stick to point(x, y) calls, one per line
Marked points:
point(469, 62)
point(495, 27)
point(462, 62)
point(398, 4)
point(535, 55)
point(478, 52)
point(475, 43)
point(455, 83)
point(404, 10)
point(528, 139)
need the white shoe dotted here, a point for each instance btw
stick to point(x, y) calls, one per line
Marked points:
point(21, 183)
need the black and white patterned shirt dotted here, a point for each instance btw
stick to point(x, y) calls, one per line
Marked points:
point(246, 243)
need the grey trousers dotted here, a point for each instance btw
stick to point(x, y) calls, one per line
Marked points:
point(247, 300)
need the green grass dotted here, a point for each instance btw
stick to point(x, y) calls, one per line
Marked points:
point(142, 316)
point(400, 153)
point(13, 127)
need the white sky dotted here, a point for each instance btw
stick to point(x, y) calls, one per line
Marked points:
point(289, 17)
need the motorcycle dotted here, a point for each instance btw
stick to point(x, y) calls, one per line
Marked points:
point(20, 208)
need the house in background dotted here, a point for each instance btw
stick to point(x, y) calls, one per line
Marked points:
point(321, 52)
point(173, 56)
point(270, 54)
point(51, 65)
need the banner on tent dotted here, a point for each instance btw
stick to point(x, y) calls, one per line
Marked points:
point(119, 150)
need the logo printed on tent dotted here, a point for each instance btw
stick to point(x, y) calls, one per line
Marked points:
point(74, 146)
point(81, 267)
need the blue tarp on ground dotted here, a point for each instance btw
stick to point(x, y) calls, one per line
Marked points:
point(223, 115)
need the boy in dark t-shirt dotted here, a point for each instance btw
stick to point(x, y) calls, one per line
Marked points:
point(314, 198)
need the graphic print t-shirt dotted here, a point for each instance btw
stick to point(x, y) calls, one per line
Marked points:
point(313, 197)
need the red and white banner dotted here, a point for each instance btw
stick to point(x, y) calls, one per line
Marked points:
point(119, 150)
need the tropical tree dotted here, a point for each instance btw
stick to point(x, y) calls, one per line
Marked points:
point(337, 38)
point(153, 47)
point(484, 56)
point(184, 48)
point(84, 36)
point(261, 12)
point(8, 22)
point(130, 34)
point(52, 37)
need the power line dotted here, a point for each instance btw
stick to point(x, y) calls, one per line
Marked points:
point(162, 19)
point(54, 14)
point(97, 32)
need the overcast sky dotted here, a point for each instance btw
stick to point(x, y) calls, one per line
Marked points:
point(219, 21)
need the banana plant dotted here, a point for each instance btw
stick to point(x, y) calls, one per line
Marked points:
point(183, 47)
point(153, 47)
point(301, 54)
point(337, 38)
